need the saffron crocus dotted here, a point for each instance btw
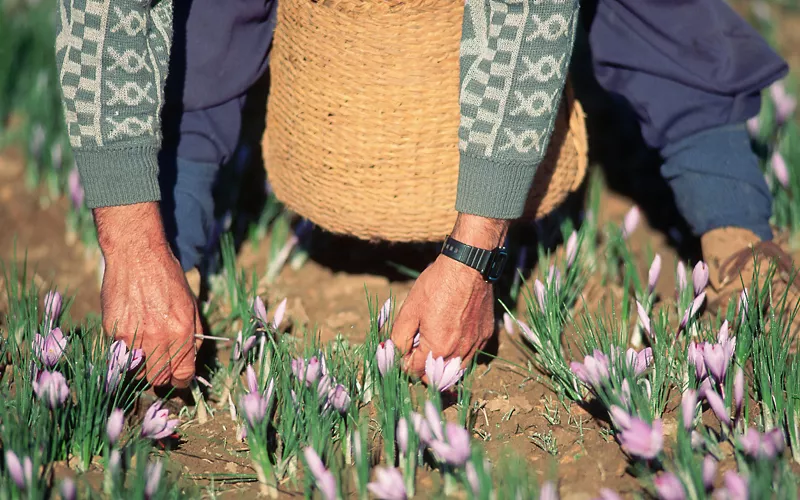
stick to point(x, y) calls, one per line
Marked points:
point(689, 408)
point(738, 393)
point(254, 407)
point(754, 127)
point(260, 311)
point(779, 169)
point(548, 491)
point(308, 372)
point(339, 399)
point(120, 360)
point(697, 303)
point(251, 378)
point(639, 361)
point(695, 357)
point(540, 293)
point(323, 478)
point(700, 277)
point(716, 359)
point(554, 278)
point(508, 324)
point(388, 484)
point(785, 104)
point(717, 405)
point(442, 376)
point(50, 348)
point(709, 471)
point(762, 446)
point(21, 472)
point(385, 356)
point(153, 472)
point(114, 426)
point(529, 335)
point(455, 448)
point(653, 274)
point(384, 313)
point(593, 371)
point(644, 318)
point(241, 347)
point(669, 487)
point(51, 387)
point(67, 489)
point(735, 487)
point(572, 249)
point(637, 437)
point(681, 273)
point(157, 424)
point(280, 312)
point(630, 222)
point(52, 309)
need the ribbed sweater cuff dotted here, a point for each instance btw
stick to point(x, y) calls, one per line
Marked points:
point(119, 176)
point(493, 188)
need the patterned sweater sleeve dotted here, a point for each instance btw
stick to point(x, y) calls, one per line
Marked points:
point(112, 58)
point(514, 62)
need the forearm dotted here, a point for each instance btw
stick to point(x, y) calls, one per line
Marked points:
point(112, 66)
point(514, 64)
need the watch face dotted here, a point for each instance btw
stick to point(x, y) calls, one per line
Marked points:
point(496, 264)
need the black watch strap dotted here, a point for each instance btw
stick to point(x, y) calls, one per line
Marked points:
point(489, 263)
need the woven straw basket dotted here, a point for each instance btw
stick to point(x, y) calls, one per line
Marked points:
point(363, 115)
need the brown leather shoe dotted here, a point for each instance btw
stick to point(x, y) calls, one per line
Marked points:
point(729, 253)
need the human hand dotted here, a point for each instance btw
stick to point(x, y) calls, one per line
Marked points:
point(450, 305)
point(145, 299)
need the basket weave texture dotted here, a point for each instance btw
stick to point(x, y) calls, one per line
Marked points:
point(363, 115)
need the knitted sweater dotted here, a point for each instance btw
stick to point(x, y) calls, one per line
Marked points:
point(113, 55)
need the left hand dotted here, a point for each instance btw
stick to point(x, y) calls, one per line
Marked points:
point(450, 305)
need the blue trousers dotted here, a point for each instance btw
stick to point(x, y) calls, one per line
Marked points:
point(692, 71)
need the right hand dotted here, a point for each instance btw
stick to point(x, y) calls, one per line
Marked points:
point(145, 299)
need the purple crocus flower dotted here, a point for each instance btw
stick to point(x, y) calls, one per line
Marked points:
point(323, 478)
point(735, 487)
point(153, 472)
point(120, 359)
point(593, 371)
point(717, 405)
point(688, 408)
point(697, 303)
point(388, 484)
point(669, 487)
point(554, 278)
point(548, 491)
point(442, 376)
point(114, 425)
point(738, 393)
point(21, 472)
point(762, 446)
point(67, 489)
point(251, 378)
point(156, 423)
point(508, 324)
point(644, 318)
point(241, 347)
point(254, 404)
point(540, 293)
point(779, 169)
point(51, 387)
point(385, 356)
point(709, 471)
point(653, 273)
point(384, 313)
point(433, 420)
point(681, 272)
point(308, 372)
point(339, 399)
point(529, 335)
point(700, 277)
point(76, 193)
point(630, 222)
point(639, 361)
point(401, 434)
point(754, 127)
point(572, 249)
point(280, 312)
point(716, 360)
point(785, 104)
point(455, 449)
point(637, 437)
point(52, 309)
point(260, 311)
point(695, 357)
point(50, 348)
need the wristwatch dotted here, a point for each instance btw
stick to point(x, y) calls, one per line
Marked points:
point(489, 263)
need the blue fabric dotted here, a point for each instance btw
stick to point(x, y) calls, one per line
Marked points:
point(716, 180)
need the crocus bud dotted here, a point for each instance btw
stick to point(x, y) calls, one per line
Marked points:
point(323, 478)
point(52, 309)
point(779, 169)
point(153, 472)
point(709, 471)
point(385, 356)
point(653, 273)
point(68, 489)
point(260, 311)
point(669, 487)
point(572, 249)
point(754, 127)
point(508, 323)
point(384, 313)
point(688, 408)
point(280, 312)
point(540, 293)
point(738, 393)
point(785, 104)
point(644, 319)
point(681, 272)
point(700, 277)
point(630, 222)
point(114, 425)
point(388, 484)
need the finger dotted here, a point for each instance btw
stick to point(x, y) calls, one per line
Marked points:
point(414, 362)
point(182, 353)
point(406, 326)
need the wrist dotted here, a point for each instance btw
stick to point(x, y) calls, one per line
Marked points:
point(129, 229)
point(480, 232)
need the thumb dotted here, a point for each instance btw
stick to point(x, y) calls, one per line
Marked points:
point(406, 326)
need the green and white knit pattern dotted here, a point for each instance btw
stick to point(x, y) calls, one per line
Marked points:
point(112, 59)
point(514, 59)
